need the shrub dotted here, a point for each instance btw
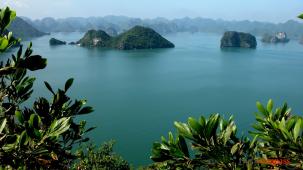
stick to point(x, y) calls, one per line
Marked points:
point(101, 158)
point(41, 136)
point(277, 142)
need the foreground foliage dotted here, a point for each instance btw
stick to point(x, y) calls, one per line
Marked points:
point(103, 158)
point(276, 142)
point(41, 136)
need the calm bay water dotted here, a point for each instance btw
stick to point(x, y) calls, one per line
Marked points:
point(137, 95)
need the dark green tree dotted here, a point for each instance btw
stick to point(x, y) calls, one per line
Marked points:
point(102, 158)
point(41, 136)
point(277, 142)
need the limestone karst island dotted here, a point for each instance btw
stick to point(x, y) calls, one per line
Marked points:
point(137, 37)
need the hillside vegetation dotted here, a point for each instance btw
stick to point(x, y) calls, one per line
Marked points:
point(136, 38)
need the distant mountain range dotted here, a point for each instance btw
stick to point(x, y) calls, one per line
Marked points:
point(24, 30)
point(119, 24)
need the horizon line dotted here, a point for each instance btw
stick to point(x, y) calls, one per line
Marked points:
point(168, 19)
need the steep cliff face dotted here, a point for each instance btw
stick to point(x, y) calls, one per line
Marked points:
point(95, 38)
point(279, 37)
point(238, 39)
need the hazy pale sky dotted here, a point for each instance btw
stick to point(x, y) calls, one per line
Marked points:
point(260, 10)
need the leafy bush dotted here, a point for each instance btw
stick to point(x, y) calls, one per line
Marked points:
point(101, 158)
point(277, 142)
point(41, 136)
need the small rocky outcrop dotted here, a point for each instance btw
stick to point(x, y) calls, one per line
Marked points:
point(238, 39)
point(72, 43)
point(279, 37)
point(54, 41)
point(94, 38)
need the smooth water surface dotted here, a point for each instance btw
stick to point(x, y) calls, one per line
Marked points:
point(137, 95)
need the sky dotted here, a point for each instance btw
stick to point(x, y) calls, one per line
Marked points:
point(254, 10)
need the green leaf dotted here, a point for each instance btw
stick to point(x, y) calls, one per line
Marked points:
point(170, 138)
point(19, 116)
point(3, 125)
point(194, 124)
point(49, 87)
point(297, 128)
point(202, 121)
point(34, 121)
point(59, 126)
point(9, 147)
point(300, 16)
point(23, 139)
point(270, 105)
point(90, 129)
point(7, 16)
point(34, 62)
point(3, 44)
point(68, 83)
point(235, 148)
point(9, 35)
point(262, 109)
point(86, 110)
point(227, 133)
point(212, 125)
point(183, 130)
point(252, 143)
point(19, 53)
point(183, 145)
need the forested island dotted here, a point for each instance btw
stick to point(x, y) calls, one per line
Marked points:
point(136, 38)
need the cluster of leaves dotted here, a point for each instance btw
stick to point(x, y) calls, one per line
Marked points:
point(279, 134)
point(6, 39)
point(41, 136)
point(277, 141)
point(93, 158)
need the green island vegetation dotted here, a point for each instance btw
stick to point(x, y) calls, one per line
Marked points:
point(136, 38)
point(47, 135)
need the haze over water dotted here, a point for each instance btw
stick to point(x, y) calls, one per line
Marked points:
point(138, 94)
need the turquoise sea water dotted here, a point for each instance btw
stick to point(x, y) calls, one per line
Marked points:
point(137, 95)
